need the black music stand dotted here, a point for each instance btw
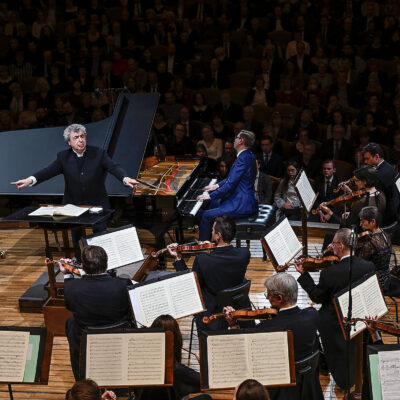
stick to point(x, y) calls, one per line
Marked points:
point(49, 224)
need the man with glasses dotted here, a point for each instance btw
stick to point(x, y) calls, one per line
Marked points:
point(331, 281)
point(234, 196)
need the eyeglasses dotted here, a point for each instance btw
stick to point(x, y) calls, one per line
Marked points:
point(336, 243)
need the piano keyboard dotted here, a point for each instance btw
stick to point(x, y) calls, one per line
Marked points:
point(187, 205)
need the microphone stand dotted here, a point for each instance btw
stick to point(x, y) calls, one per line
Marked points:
point(352, 245)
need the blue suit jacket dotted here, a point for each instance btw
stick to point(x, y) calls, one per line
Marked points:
point(237, 191)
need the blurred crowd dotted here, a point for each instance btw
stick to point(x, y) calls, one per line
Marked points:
point(314, 80)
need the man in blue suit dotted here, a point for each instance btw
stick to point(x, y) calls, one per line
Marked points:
point(234, 196)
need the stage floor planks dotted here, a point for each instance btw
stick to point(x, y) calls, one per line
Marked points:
point(24, 263)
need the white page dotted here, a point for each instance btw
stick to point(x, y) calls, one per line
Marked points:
point(306, 191)
point(283, 242)
point(122, 247)
point(43, 212)
point(389, 374)
point(14, 350)
point(398, 183)
point(68, 210)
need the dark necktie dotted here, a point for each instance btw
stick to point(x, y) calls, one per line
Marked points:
point(328, 192)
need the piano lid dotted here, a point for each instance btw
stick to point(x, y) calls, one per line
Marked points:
point(124, 135)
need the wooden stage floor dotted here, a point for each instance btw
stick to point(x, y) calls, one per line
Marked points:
point(25, 263)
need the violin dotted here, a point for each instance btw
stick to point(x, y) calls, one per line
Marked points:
point(244, 315)
point(346, 198)
point(311, 264)
point(75, 268)
point(189, 248)
point(348, 182)
point(389, 327)
point(363, 235)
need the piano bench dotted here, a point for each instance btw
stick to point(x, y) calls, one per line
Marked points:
point(254, 226)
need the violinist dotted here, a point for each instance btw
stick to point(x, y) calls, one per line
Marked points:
point(223, 268)
point(376, 246)
point(281, 291)
point(365, 178)
point(332, 280)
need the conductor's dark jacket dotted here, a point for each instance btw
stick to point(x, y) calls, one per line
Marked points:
point(332, 280)
point(84, 177)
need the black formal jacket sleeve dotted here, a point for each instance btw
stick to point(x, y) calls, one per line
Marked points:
point(84, 181)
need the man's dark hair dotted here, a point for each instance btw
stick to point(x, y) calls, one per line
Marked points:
point(367, 174)
point(267, 137)
point(373, 149)
point(328, 160)
point(94, 260)
point(369, 213)
point(225, 225)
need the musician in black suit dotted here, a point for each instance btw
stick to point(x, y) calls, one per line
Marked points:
point(331, 281)
point(223, 268)
point(95, 300)
point(373, 155)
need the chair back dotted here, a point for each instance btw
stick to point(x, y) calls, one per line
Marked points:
point(390, 229)
point(307, 384)
point(234, 296)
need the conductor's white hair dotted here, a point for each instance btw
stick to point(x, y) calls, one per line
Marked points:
point(73, 128)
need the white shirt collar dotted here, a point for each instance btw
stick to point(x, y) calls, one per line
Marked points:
point(240, 152)
point(79, 155)
point(344, 257)
point(380, 163)
point(287, 308)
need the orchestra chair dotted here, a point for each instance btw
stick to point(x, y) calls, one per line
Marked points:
point(254, 226)
point(307, 381)
point(235, 297)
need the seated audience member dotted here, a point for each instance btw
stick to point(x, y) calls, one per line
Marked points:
point(305, 122)
point(338, 148)
point(223, 168)
point(270, 162)
point(331, 281)
point(250, 123)
point(361, 140)
point(325, 185)
point(171, 108)
point(229, 150)
point(259, 95)
point(338, 118)
point(95, 300)
point(394, 152)
point(365, 179)
point(263, 187)
point(209, 164)
point(309, 161)
point(179, 144)
point(376, 246)
point(200, 111)
point(279, 129)
point(87, 389)
point(213, 145)
point(186, 380)
point(251, 389)
point(221, 130)
point(191, 127)
point(225, 267)
point(229, 111)
point(368, 122)
point(285, 197)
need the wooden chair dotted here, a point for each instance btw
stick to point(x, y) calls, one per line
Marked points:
point(288, 112)
point(262, 113)
point(275, 182)
point(241, 79)
point(238, 95)
point(344, 169)
point(212, 95)
point(247, 64)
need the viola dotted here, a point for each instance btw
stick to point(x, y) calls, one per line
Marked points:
point(311, 264)
point(189, 248)
point(389, 327)
point(346, 198)
point(244, 315)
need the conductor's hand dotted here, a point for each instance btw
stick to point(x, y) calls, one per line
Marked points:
point(131, 183)
point(22, 183)
point(172, 250)
point(203, 197)
point(299, 266)
point(210, 188)
point(108, 395)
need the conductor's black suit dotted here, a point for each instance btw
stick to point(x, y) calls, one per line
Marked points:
point(84, 176)
point(332, 280)
point(223, 268)
point(95, 300)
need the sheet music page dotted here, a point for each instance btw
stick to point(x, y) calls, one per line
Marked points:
point(70, 210)
point(184, 295)
point(122, 247)
point(306, 191)
point(43, 212)
point(389, 373)
point(227, 357)
point(283, 242)
point(150, 301)
point(269, 357)
point(14, 349)
point(106, 360)
point(372, 296)
point(358, 311)
point(146, 358)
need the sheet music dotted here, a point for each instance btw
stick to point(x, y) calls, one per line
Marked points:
point(389, 373)
point(68, 210)
point(123, 359)
point(306, 191)
point(122, 247)
point(146, 358)
point(177, 296)
point(234, 358)
point(367, 300)
point(14, 350)
point(283, 242)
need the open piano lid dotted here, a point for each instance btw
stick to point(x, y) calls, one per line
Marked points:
point(124, 136)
